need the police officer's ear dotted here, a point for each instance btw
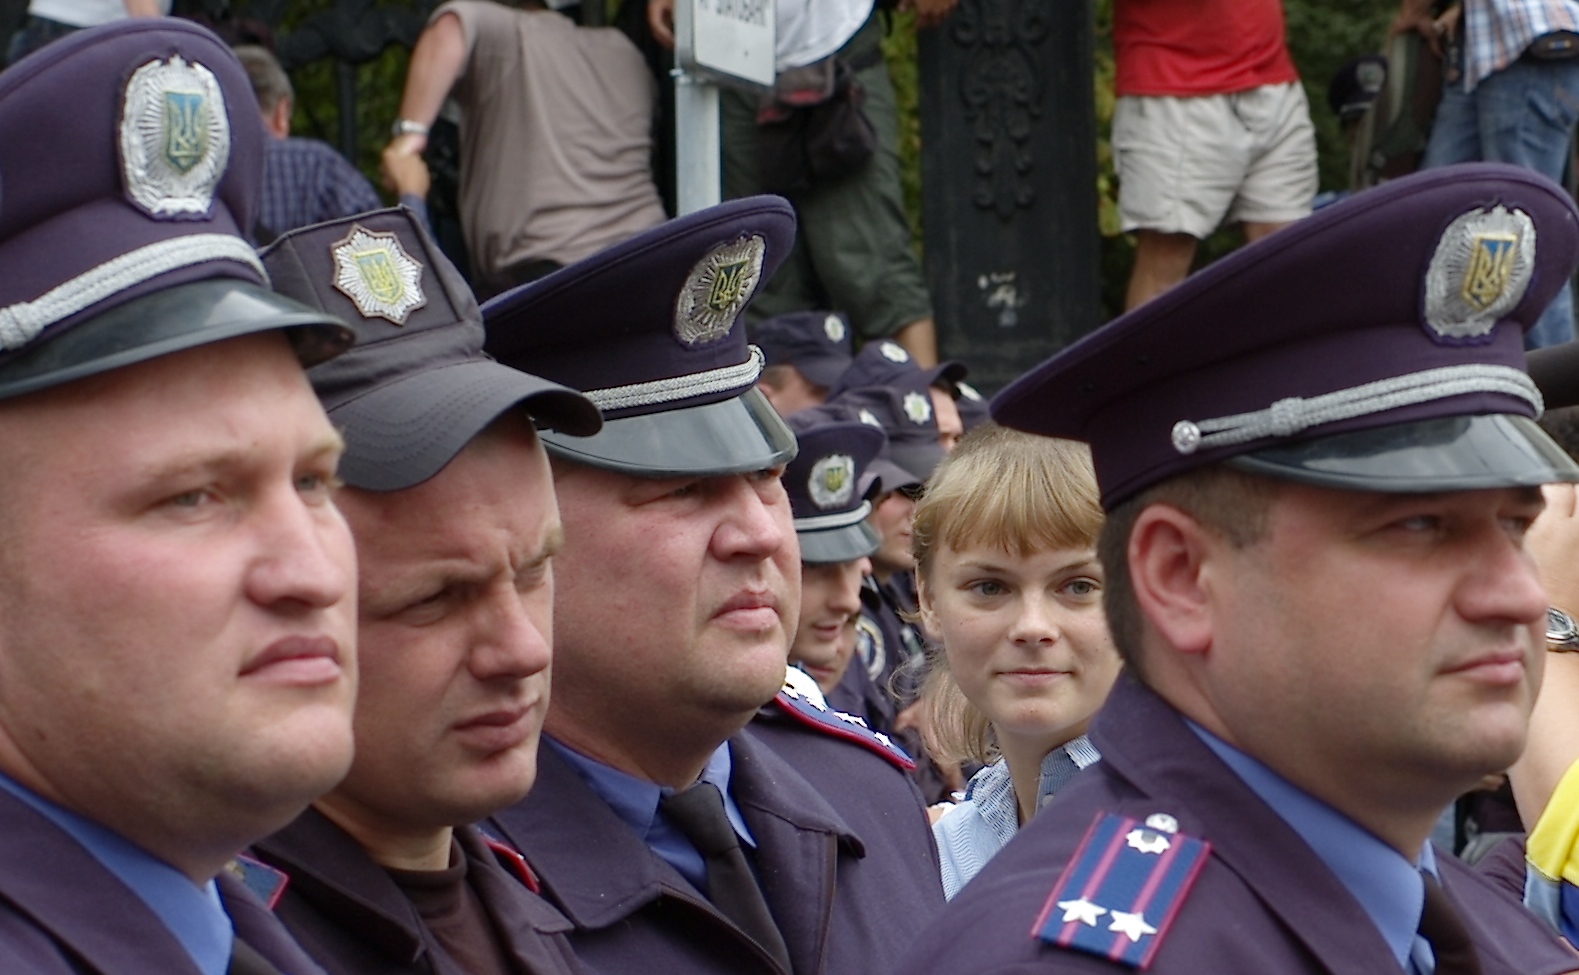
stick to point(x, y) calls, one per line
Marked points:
point(1171, 556)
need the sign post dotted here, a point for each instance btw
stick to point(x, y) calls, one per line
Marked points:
point(716, 42)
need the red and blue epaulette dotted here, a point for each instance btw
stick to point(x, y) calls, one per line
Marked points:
point(816, 714)
point(1122, 889)
point(511, 859)
point(266, 883)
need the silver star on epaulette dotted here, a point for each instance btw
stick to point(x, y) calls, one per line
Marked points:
point(1131, 926)
point(887, 741)
point(817, 704)
point(1081, 910)
point(1146, 841)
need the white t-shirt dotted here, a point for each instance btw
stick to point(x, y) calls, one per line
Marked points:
point(810, 30)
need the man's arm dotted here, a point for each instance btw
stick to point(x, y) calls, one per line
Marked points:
point(1554, 727)
point(1415, 15)
point(660, 19)
point(436, 62)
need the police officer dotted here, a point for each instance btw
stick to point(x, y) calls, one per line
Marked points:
point(824, 483)
point(177, 615)
point(1319, 460)
point(449, 498)
point(672, 835)
point(804, 353)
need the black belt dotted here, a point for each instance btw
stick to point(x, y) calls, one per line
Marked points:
point(1559, 45)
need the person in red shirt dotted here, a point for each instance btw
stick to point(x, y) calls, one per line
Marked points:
point(1211, 125)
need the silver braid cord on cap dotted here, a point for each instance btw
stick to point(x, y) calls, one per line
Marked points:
point(1287, 417)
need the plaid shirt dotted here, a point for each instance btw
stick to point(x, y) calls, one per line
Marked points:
point(306, 182)
point(1496, 32)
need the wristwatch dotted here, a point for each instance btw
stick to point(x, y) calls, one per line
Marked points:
point(405, 126)
point(1562, 635)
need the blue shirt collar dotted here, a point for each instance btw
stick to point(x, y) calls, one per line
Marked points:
point(1386, 884)
point(193, 913)
point(635, 801)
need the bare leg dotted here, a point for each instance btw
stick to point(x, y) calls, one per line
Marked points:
point(1255, 231)
point(1161, 261)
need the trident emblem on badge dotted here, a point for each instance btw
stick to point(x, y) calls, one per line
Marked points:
point(185, 129)
point(1490, 268)
point(379, 274)
point(728, 284)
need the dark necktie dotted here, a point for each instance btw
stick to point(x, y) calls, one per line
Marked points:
point(1441, 925)
point(731, 886)
point(245, 961)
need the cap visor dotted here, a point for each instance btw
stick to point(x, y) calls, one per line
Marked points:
point(171, 320)
point(845, 544)
point(404, 432)
point(739, 434)
point(1457, 453)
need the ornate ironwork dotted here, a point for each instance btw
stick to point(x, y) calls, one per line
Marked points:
point(1002, 88)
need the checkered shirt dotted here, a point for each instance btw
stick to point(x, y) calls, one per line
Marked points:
point(306, 182)
point(1496, 32)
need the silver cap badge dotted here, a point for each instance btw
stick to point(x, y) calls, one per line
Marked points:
point(717, 290)
point(175, 138)
point(377, 274)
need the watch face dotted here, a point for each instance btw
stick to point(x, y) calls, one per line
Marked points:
point(1560, 629)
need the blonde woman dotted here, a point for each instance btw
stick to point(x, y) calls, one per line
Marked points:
point(1010, 590)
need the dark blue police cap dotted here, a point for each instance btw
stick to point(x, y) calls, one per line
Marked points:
point(973, 411)
point(131, 160)
point(817, 343)
point(650, 330)
point(1375, 345)
point(903, 410)
point(885, 361)
point(417, 386)
point(825, 485)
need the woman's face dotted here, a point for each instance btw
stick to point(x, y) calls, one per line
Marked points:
point(1026, 638)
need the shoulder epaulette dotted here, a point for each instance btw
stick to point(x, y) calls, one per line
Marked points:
point(511, 859)
point(1120, 892)
point(266, 883)
point(816, 714)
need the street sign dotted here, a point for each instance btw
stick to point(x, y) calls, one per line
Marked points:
point(726, 41)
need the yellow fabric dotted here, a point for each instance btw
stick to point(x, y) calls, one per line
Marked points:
point(1553, 845)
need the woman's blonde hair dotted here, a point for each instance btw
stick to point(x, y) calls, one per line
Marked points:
point(1005, 489)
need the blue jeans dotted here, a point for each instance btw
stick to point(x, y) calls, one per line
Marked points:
point(1525, 115)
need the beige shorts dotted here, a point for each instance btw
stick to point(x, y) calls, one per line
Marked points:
point(1187, 165)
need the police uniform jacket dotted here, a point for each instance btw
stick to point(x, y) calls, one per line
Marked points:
point(1263, 901)
point(354, 920)
point(844, 855)
point(62, 912)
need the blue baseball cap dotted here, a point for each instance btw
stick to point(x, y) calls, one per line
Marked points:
point(417, 387)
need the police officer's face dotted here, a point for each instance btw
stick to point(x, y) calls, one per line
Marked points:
point(893, 519)
point(677, 600)
point(1377, 646)
point(177, 654)
point(950, 425)
point(830, 602)
point(1026, 638)
point(456, 606)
